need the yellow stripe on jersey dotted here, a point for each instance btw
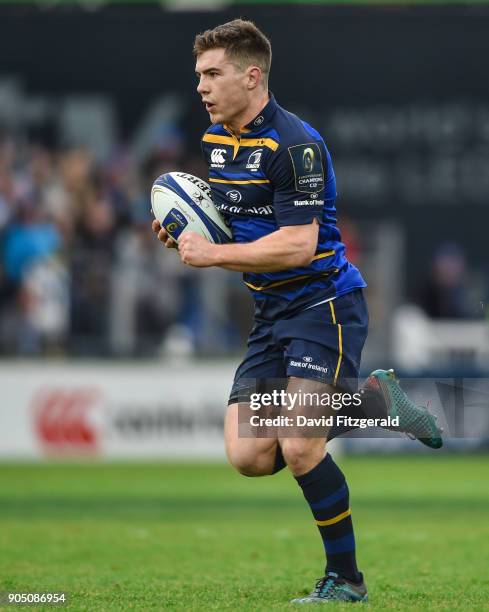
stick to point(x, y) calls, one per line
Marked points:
point(270, 143)
point(242, 130)
point(225, 140)
point(289, 280)
point(255, 182)
point(276, 284)
point(335, 519)
point(325, 254)
point(243, 142)
point(218, 139)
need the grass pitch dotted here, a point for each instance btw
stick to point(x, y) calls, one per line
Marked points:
point(200, 537)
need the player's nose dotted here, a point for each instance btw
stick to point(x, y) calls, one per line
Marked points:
point(202, 88)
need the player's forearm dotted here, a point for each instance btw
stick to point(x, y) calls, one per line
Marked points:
point(271, 253)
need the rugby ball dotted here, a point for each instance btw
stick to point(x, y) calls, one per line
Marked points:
point(182, 202)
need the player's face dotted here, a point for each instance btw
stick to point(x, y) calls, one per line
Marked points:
point(222, 86)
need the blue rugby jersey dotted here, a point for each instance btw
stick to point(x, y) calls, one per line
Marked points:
point(279, 173)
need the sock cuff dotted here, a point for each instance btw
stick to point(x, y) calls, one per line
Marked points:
point(326, 468)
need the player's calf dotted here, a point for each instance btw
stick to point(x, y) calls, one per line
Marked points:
point(326, 491)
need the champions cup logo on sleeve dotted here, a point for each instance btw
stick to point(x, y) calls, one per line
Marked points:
point(308, 159)
point(308, 167)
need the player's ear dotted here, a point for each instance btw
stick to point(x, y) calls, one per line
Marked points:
point(255, 77)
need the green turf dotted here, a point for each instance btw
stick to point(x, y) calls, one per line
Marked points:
point(200, 537)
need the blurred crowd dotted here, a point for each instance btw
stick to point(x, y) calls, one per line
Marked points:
point(81, 271)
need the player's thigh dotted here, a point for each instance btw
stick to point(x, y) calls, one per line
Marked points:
point(239, 433)
point(261, 370)
point(247, 453)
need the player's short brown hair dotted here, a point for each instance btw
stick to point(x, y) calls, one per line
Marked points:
point(244, 43)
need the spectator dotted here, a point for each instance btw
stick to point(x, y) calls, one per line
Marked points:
point(445, 293)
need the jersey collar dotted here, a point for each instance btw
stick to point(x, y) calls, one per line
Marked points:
point(263, 116)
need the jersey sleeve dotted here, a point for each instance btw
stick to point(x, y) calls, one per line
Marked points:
point(297, 175)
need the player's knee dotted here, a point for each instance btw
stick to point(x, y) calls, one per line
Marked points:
point(301, 454)
point(249, 465)
point(250, 468)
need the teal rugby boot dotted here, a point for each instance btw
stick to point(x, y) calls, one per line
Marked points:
point(416, 421)
point(333, 588)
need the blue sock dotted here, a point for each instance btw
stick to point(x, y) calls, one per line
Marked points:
point(279, 460)
point(326, 491)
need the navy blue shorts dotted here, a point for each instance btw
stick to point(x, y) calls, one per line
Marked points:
point(322, 343)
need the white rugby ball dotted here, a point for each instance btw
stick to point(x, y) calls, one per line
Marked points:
point(182, 202)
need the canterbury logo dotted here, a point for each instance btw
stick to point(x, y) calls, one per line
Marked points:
point(217, 156)
point(62, 420)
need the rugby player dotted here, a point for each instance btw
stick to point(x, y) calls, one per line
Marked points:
point(272, 179)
